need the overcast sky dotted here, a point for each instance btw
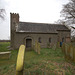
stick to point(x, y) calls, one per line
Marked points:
point(41, 11)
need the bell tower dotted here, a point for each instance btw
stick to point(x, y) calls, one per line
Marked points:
point(14, 21)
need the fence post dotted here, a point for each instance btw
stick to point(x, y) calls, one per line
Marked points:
point(65, 51)
point(20, 61)
point(74, 54)
point(71, 53)
point(63, 47)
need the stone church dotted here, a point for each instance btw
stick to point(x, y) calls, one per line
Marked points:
point(28, 33)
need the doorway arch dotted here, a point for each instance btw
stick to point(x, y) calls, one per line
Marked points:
point(28, 43)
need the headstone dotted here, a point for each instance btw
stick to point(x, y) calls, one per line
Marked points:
point(38, 48)
point(58, 45)
point(54, 47)
point(5, 55)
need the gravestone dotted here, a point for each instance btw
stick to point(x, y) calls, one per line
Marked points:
point(54, 47)
point(5, 55)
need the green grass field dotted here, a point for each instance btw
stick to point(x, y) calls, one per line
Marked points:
point(48, 62)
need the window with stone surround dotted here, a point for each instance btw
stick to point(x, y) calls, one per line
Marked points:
point(39, 39)
point(49, 40)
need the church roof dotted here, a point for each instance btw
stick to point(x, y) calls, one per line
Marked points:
point(39, 27)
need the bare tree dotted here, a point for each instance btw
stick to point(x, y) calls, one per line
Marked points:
point(2, 14)
point(68, 12)
point(68, 15)
point(59, 21)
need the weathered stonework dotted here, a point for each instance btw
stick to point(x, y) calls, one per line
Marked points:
point(25, 37)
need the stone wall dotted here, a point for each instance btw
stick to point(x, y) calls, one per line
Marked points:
point(65, 35)
point(20, 38)
point(14, 21)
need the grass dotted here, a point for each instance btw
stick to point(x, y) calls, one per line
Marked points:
point(13, 57)
point(3, 46)
point(6, 64)
point(48, 62)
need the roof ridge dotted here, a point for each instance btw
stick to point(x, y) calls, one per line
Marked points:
point(40, 23)
point(40, 27)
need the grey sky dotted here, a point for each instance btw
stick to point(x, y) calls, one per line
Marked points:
point(44, 11)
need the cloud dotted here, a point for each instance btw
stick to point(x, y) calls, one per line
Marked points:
point(46, 11)
point(2, 4)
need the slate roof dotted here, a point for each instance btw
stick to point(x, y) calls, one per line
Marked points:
point(39, 27)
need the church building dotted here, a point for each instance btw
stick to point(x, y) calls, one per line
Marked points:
point(28, 33)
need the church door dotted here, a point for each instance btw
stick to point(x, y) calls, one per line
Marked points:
point(28, 43)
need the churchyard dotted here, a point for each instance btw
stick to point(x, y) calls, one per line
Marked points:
point(49, 61)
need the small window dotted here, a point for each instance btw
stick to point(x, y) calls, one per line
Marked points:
point(62, 39)
point(39, 39)
point(49, 40)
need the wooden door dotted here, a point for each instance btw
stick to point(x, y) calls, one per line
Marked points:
point(28, 43)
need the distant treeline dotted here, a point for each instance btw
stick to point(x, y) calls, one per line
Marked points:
point(4, 40)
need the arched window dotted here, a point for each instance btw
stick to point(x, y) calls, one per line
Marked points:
point(39, 39)
point(63, 39)
point(49, 40)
